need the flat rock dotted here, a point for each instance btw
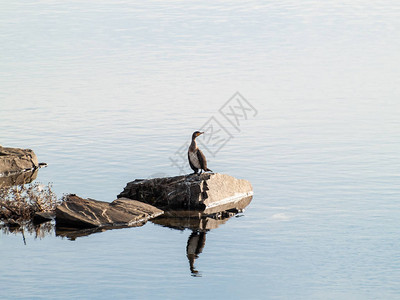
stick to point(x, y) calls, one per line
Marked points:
point(76, 212)
point(15, 160)
point(209, 192)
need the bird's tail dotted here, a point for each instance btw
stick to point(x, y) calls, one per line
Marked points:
point(208, 170)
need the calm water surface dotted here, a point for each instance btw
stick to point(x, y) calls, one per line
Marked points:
point(106, 92)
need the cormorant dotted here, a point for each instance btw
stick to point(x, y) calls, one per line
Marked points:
point(197, 160)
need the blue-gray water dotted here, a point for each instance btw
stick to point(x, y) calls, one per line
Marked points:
point(107, 91)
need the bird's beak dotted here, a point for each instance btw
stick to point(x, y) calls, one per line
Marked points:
point(201, 133)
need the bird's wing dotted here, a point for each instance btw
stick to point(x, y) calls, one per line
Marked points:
point(191, 165)
point(202, 159)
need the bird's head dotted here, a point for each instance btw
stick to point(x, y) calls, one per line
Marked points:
point(196, 134)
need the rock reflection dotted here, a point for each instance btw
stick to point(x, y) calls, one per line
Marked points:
point(19, 178)
point(8, 179)
point(73, 233)
point(182, 220)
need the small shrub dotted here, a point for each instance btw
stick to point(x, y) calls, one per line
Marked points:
point(18, 204)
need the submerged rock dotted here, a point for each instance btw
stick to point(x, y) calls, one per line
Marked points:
point(76, 212)
point(15, 160)
point(209, 192)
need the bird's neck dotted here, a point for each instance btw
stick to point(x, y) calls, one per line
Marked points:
point(193, 145)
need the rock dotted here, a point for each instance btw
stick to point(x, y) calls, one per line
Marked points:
point(209, 192)
point(43, 216)
point(15, 160)
point(76, 212)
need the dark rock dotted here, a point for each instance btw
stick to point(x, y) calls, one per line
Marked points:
point(209, 192)
point(76, 212)
point(41, 217)
point(15, 160)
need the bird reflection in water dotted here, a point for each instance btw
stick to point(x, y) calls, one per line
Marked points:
point(195, 245)
point(198, 224)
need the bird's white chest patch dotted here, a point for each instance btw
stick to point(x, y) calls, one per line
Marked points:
point(194, 159)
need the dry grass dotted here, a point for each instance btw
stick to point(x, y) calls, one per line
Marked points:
point(18, 204)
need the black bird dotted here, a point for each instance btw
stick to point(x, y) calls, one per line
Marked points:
point(197, 160)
